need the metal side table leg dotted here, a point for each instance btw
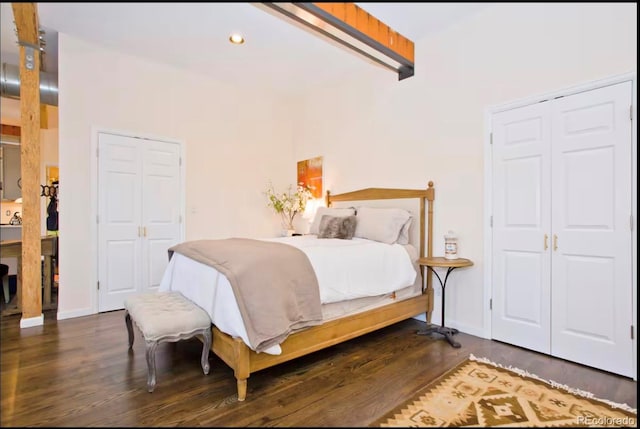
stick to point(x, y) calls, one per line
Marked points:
point(448, 333)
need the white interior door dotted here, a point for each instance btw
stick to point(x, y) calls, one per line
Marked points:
point(119, 189)
point(591, 276)
point(562, 233)
point(139, 201)
point(160, 208)
point(521, 224)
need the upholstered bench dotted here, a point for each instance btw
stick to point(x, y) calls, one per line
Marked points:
point(166, 317)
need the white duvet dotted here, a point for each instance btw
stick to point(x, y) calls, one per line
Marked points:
point(346, 269)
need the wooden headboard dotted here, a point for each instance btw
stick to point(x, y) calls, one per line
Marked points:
point(426, 197)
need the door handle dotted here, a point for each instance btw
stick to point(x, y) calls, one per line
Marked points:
point(546, 242)
point(555, 242)
point(144, 231)
point(139, 231)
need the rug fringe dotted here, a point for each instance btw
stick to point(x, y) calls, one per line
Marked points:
point(552, 383)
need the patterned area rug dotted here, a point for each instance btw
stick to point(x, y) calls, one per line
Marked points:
point(480, 393)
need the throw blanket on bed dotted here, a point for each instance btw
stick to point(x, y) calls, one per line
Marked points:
point(274, 284)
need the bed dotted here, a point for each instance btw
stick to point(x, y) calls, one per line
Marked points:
point(394, 296)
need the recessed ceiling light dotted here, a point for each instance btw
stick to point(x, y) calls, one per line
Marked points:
point(236, 38)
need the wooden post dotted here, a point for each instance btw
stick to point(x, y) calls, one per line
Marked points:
point(26, 20)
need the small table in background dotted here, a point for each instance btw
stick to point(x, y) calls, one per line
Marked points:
point(450, 265)
point(48, 248)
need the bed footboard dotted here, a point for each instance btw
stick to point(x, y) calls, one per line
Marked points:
point(244, 361)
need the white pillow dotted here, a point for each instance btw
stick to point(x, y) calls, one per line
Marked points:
point(381, 224)
point(403, 238)
point(331, 211)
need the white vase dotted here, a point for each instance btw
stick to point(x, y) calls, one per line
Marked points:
point(288, 232)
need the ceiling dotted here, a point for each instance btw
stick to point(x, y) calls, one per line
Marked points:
point(195, 36)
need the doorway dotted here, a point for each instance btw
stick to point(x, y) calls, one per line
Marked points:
point(562, 219)
point(140, 192)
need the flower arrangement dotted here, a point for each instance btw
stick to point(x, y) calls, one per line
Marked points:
point(288, 204)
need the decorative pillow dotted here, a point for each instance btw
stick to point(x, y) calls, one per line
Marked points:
point(337, 227)
point(337, 212)
point(381, 224)
point(403, 238)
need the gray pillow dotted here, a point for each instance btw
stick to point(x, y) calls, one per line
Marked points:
point(337, 227)
point(315, 225)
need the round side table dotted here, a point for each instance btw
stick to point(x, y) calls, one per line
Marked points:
point(450, 265)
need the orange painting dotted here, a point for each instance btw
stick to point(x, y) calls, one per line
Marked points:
point(310, 175)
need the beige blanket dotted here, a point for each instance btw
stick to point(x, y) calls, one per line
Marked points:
point(274, 284)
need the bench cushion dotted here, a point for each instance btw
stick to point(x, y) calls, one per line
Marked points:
point(166, 314)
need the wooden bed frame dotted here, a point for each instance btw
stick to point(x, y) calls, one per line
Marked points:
point(244, 361)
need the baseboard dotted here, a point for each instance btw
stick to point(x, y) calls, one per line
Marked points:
point(467, 329)
point(32, 321)
point(75, 313)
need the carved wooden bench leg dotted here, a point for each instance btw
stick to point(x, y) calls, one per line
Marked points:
point(127, 319)
point(208, 338)
point(150, 353)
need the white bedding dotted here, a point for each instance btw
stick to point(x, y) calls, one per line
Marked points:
point(346, 269)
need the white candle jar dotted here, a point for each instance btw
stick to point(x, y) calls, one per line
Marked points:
point(450, 245)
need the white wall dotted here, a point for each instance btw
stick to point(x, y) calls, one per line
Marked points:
point(371, 129)
point(374, 131)
point(235, 141)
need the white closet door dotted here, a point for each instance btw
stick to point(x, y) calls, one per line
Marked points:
point(160, 208)
point(591, 175)
point(119, 189)
point(521, 218)
point(139, 215)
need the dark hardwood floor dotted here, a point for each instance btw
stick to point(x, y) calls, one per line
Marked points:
point(79, 372)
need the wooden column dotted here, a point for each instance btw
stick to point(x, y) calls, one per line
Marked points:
point(26, 20)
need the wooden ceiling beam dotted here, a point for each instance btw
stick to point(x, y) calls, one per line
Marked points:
point(30, 287)
point(358, 18)
point(355, 29)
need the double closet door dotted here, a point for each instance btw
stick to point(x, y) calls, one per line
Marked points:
point(139, 206)
point(562, 233)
